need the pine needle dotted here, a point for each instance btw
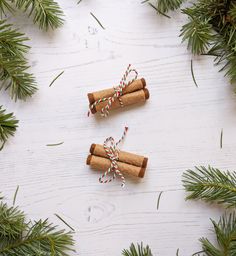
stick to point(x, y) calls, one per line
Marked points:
point(158, 11)
point(3, 144)
point(15, 195)
point(97, 20)
point(177, 252)
point(56, 144)
point(60, 218)
point(56, 78)
point(221, 138)
point(194, 80)
point(144, 1)
point(198, 253)
point(158, 200)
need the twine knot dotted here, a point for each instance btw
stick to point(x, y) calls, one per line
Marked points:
point(118, 92)
point(112, 151)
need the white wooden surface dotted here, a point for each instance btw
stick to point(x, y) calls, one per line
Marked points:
point(178, 128)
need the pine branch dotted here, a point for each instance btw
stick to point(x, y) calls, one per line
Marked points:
point(8, 125)
point(137, 251)
point(12, 224)
point(165, 6)
point(5, 5)
point(211, 185)
point(198, 33)
point(21, 238)
point(12, 42)
point(42, 239)
point(13, 64)
point(46, 13)
point(225, 231)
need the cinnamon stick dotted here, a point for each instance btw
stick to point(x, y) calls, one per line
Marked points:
point(125, 157)
point(135, 86)
point(127, 99)
point(101, 163)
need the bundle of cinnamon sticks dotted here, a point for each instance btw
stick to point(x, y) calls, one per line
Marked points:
point(133, 93)
point(128, 163)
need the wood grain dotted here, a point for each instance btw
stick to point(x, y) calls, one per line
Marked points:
point(179, 127)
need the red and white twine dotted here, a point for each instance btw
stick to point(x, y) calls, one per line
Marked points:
point(112, 152)
point(117, 94)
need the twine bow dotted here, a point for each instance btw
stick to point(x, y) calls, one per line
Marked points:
point(112, 152)
point(118, 92)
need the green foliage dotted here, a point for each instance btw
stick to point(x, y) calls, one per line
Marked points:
point(211, 29)
point(198, 33)
point(138, 250)
point(225, 231)
point(46, 13)
point(21, 238)
point(8, 125)
point(211, 185)
point(165, 6)
point(5, 5)
point(12, 223)
point(13, 64)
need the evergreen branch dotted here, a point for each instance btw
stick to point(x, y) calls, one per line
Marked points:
point(13, 64)
point(168, 5)
point(15, 78)
point(198, 33)
point(12, 224)
point(5, 6)
point(21, 238)
point(8, 125)
point(137, 251)
point(12, 41)
point(225, 231)
point(211, 185)
point(42, 239)
point(46, 13)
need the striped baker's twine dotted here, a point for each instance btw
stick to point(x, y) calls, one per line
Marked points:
point(117, 94)
point(112, 152)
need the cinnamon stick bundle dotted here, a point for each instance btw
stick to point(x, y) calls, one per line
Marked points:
point(128, 163)
point(134, 93)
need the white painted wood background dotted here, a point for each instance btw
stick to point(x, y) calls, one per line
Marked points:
point(178, 128)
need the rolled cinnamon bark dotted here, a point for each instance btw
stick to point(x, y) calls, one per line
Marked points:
point(125, 157)
point(135, 86)
point(127, 99)
point(101, 163)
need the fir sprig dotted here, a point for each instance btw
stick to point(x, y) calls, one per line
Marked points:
point(42, 238)
point(13, 64)
point(12, 224)
point(165, 6)
point(46, 13)
point(12, 42)
point(225, 231)
point(138, 250)
point(211, 29)
point(19, 237)
point(211, 185)
point(8, 125)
